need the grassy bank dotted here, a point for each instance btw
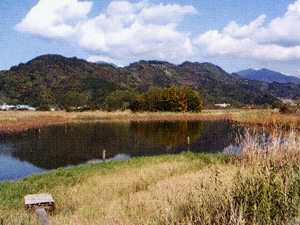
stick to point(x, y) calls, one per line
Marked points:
point(148, 190)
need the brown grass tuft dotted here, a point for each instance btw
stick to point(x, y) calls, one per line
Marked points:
point(280, 147)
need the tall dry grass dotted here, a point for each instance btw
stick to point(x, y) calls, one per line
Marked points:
point(23, 120)
point(267, 118)
point(276, 147)
point(270, 193)
point(16, 121)
point(160, 194)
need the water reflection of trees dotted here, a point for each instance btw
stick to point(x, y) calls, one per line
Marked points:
point(166, 132)
point(59, 146)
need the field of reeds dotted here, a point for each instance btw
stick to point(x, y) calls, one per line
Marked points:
point(267, 118)
point(15, 121)
point(22, 120)
point(260, 185)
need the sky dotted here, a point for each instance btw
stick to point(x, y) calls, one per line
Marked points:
point(233, 34)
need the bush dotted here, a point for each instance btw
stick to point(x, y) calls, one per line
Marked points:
point(44, 108)
point(120, 100)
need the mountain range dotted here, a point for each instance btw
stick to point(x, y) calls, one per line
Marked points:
point(268, 76)
point(57, 80)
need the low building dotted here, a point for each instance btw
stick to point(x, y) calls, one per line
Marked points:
point(24, 107)
point(224, 105)
point(7, 107)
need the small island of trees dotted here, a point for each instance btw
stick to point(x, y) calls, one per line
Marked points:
point(175, 99)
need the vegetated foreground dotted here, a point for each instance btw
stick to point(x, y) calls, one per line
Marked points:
point(259, 186)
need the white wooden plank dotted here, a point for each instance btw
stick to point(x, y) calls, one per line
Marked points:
point(38, 199)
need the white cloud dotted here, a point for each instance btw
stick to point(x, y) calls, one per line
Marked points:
point(125, 31)
point(279, 40)
point(125, 8)
point(99, 58)
point(234, 30)
point(137, 30)
point(136, 41)
point(54, 18)
point(165, 13)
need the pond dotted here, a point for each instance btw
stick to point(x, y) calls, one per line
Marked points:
point(42, 150)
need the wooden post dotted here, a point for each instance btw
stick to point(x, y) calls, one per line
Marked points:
point(188, 140)
point(103, 155)
point(42, 215)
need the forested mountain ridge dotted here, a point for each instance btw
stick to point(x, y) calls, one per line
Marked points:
point(57, 80)
point(212, 82)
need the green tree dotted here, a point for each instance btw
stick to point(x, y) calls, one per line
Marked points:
point(75, 99)
point(176, 99)
point(153, 98)
point(277, 104)
point(194, 102)
point(170, 99)
point(46, 96)
point(120, 100)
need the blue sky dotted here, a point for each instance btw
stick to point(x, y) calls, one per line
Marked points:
point(233, 34)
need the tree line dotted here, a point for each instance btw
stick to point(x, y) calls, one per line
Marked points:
point(175, 99)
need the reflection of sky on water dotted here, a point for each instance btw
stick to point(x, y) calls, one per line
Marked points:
point(6, 149)
point(231, 149)
point(12, 169)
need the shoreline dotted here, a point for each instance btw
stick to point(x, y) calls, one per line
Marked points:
point(18, 121)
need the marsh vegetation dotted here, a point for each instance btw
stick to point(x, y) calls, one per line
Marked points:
point(259, 186)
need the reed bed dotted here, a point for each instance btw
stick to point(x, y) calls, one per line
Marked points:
point(270, 193)
point(267, 118)
point(16, 121)
point(23, 120)
point(278, 147)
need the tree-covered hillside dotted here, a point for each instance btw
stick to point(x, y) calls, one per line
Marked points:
point(66, 82)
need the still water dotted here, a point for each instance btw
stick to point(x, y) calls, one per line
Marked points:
point(41, 150)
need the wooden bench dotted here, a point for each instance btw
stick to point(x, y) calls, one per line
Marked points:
point(32, 202)
point(40, 204)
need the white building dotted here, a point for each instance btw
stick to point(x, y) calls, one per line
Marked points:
point(7, 107)
point(224, 105)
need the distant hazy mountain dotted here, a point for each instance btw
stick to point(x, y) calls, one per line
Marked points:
point(268, 76)
point(106, 63)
